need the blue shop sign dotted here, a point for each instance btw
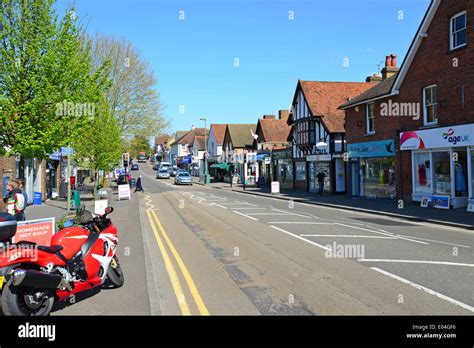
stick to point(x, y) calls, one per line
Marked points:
point(380, 148)
point(56, 156)
point(64, 151)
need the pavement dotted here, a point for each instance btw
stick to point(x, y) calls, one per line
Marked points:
point(410, 211)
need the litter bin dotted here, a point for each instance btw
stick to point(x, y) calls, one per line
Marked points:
point(37, 198)
point(76, 199)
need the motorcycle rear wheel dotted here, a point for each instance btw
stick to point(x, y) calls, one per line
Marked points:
point(115, 274)
point(18, 301)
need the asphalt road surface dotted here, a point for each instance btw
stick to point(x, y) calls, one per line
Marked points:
point(199, 250)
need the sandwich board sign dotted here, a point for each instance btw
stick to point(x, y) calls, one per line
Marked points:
point(38, 231)
point(124, 191)
point(275, 187)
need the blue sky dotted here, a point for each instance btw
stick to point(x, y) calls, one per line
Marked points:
point(193, 59)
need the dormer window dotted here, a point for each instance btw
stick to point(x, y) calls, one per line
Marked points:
point(458, 30)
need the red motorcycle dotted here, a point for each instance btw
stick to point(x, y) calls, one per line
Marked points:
point(81, 257)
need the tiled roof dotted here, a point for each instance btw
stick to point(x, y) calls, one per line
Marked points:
point(323, 99)
point(381, 89)
point(162, 139)
point(273, 131)
point(219, 132)
point(188, 138)
point(240, 134)
point(200, 142)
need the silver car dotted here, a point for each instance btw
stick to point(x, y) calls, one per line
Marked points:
point(183, 178)
point(163, 174)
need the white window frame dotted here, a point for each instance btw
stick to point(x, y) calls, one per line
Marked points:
point(452, 33)
point(367, 118)
point(425, 114)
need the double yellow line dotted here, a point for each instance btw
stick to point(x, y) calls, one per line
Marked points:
point(178, 290)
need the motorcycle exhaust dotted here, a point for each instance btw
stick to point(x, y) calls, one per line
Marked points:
point(37, 279)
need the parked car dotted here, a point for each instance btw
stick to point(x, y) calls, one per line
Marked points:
point(163, 174)
point(174, 171)
point(134, 167)
point(183, 178)
point(156, 166)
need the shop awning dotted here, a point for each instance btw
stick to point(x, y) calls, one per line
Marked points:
point(220, 166)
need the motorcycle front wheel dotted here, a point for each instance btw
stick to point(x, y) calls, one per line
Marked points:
point(115, 274)
point(23, 301)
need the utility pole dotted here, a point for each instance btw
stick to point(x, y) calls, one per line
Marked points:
point(205, 150)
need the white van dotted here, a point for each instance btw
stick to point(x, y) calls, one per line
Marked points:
point(165, 165)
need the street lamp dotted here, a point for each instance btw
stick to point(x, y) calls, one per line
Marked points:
point(205, 149)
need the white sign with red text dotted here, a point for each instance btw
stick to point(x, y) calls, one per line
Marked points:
point(438, 137)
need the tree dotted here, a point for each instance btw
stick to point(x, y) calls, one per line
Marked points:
point(133, 100)
point(138, 144)
point(44, 64)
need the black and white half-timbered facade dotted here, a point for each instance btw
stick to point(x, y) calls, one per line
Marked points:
point(317, 136)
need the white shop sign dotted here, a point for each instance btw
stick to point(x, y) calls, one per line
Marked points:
point(275, 187)
point(438, 138)
point(100, 205)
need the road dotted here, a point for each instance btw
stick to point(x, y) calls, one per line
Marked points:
point(199, 250)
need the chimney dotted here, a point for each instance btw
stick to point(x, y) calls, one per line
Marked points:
point(268, 117)
point(375, 78)
point(192, 127)
point(391, 67)
point(283, 115)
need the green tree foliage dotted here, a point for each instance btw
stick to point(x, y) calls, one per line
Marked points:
point(44, 63)
point(138, 144)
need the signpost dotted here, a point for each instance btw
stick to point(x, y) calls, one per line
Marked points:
point(124, 191)
point(38, 231)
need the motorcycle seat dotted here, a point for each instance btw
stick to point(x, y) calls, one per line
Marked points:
point(50, 249)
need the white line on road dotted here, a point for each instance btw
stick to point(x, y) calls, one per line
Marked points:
point(445, 263)
point(252, 218)
point(302, 222)
point(344, 236)
point(251, 208)
point(438, 241)
point(385, 233)
point(301, 238)
point(277, 214)
point(429, 291)
point(220, 206)
point(291, 213)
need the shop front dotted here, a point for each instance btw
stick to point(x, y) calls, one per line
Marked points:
point(442, 163)
point(372, 169)
point(251, 168)
point(316, 164)
point(283, 168)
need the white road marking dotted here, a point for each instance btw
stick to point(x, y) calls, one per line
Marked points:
point(220, 206)
point(438, 241)
point(382, 233)
point(429, 291)
point(291, 213)
point(302, 222)
point(344, 236)
point(251, 208)
point(278, 214)
point(301, 238)
point(249, 217)
point(444, 263)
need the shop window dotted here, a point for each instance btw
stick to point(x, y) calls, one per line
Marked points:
point(370, 118)
point(472, 174)
point(338, 144)
point(430, 103)
point(300, 171)
point(458, 30)
point(442, 173)
point(378, 177)
point(422, 173)
point(460, 173)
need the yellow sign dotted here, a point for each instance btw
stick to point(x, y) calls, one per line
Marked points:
point(2, 279)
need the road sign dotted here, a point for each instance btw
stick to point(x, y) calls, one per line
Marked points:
point(38, 231)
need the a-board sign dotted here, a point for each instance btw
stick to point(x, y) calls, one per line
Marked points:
point(38, 231)
point(275, 187)
point(100, 205)
point(441, 202)
point(124, 191)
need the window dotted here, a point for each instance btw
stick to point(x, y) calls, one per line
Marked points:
point(458, 30)
point(422, 172)
point(338, 144)
point(370, 118)
point(430, 102)
point(442, 173)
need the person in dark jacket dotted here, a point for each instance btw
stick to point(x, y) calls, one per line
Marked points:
point(138, 184)
point(320, 176)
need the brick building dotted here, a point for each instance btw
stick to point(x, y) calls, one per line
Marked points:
point(428, 107)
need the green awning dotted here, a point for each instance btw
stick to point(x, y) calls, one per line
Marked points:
point(220, 166)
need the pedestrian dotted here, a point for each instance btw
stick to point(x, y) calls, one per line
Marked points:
point(15, 201)
point(21, 183)
point(320, 178)
point(138, 184)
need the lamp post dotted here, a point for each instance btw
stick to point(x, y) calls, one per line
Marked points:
point(205, 149)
